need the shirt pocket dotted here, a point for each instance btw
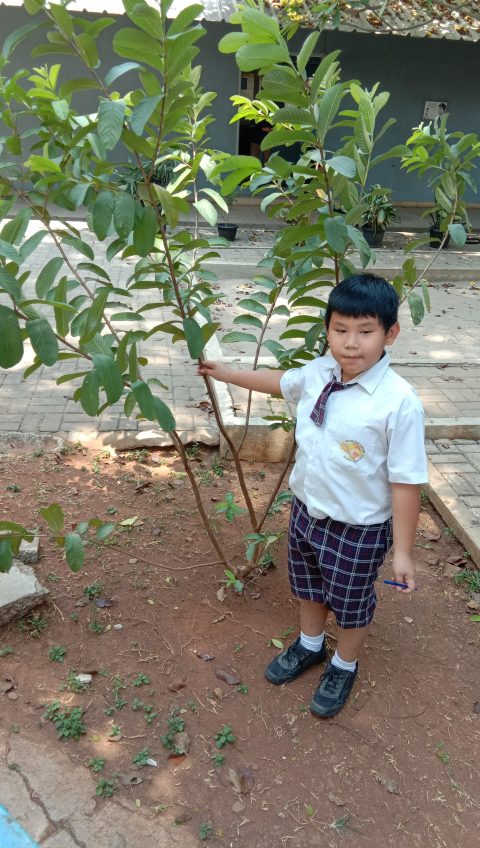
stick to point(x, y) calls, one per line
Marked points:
point(353, 450)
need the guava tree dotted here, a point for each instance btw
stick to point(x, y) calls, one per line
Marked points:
point(152, 116)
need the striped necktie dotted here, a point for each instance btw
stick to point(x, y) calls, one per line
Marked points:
point(318, 412)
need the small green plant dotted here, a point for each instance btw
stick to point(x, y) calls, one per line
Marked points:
point(261, 475)
point(96, 627)
point(141, 758)
point(93, 590)
point(229, 508)
point(205, 831)
point(469, 579)
point(217, 466)
point(105, 788)
point(192, 705)
point(96, 764)
point(5, 650)
point(14, 488)
point(37, 453)
point(279, 502)
point(52, 577)
point(57, 653)
point(111, 510)
point(218, 760)
point(242, 689)
point(115, 731)
point(193, 450)
point(34, 625)
point(231, 581)
point(118, 702)
point(175, 724)
point(68, 722)
point(73, 684)
point(442, 753)
point(137, 704)
point(141, 680)
point(224, 736)
point(277, 642)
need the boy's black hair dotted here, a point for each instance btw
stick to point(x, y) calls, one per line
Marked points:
point(363, 295)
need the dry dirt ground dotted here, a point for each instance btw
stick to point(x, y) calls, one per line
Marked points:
point(399, 766)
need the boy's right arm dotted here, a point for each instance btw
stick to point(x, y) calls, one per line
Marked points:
point(264, 380)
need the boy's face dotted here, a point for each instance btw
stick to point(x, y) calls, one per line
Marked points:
point(358, 343)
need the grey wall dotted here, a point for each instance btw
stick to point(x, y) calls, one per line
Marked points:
point(412, 69)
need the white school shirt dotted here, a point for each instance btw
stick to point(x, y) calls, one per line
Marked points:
point(372, 436)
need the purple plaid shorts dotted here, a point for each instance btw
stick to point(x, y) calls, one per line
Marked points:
point(336, 564)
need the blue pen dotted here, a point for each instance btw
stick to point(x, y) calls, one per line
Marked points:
point(394, 583)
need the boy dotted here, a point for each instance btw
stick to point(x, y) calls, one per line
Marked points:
point(359, 464)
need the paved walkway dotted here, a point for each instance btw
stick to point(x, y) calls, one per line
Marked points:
point(440, 357)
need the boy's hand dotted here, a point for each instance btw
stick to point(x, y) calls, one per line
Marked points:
point(404, 572)
point(214, 369)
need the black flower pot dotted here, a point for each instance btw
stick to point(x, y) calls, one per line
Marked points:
point(374, 238)
point(436, 237)
point(227, 231)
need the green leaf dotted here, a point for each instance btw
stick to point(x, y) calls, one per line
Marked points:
point(475, 617)
point(458, 234)
point(194, 337)
point(253, 57)
point(11, 343)
point(74, 551)
point(206, 210)
point(232, 41)
point(109, 376)
point(119, 70)
point(6, 555)
point(142, 113)
point(164, 416)
point(10, 284)
point(252, 320)
point(130, 44)
point(105, 530)
point(343, 165)
point(8, 251)
point(306, 51)
point(336, 234)
point(237, 336)
point(102, 214)
point(61, 109)
point(123, 214)
point(145, 230)
point(79, 245)
point(328, 108)
point(54, 517)
point(18, 36)
point(252, 305)
point(110, 122)
point(47, 275)
point(145, 399)
point(43, 339)
point(90, 393)
point(426, 294)
point(417, 310)
point(14, 230)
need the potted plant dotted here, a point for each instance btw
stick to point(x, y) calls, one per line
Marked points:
point(378, 213)
point(227, 231)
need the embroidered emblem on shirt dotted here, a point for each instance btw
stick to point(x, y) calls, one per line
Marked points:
point(352, 450)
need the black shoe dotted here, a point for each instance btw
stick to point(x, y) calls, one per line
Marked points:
point(333, 690)
point(290, 663)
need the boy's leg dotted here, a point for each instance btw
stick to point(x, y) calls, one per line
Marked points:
point(350, 642)
point(313, 617)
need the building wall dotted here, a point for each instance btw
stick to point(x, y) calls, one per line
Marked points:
point(412, 69)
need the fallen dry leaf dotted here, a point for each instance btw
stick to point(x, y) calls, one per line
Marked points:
point(205, 657)
point(7, 683)
point(221, 594)
point(181, 742)
point(218, 693)
point(103, 603)
point(473, 605)
point(408, 619)
point(238, 807)
point(457, 560)
point(333, 798)
point(431, 535)
point(177, 684)
point(476, 708)
point(12, 695)
point(130, 778)
point(227, 677)
point(389, 785)
point(182, 818)
point(242, 779)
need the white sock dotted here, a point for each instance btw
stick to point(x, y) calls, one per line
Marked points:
point(343, 664)
point(312, 643)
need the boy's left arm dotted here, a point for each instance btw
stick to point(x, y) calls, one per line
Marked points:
point(405, 509)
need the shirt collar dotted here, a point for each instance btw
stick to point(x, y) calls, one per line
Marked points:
point(370, 379)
